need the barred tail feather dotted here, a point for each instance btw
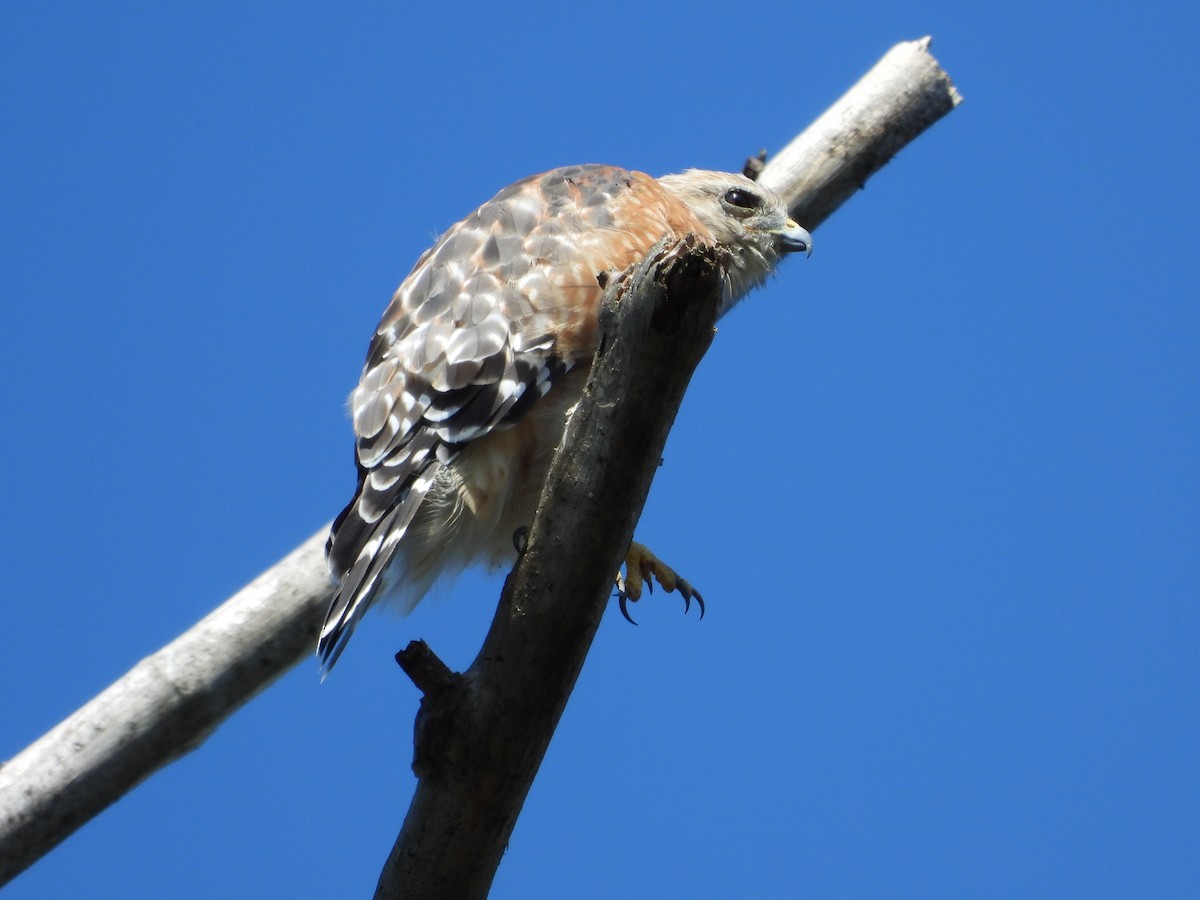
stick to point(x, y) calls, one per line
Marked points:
point(363, 580)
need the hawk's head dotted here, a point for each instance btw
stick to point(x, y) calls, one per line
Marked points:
point(747, 218)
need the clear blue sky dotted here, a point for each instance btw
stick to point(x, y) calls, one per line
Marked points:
point(938, 482)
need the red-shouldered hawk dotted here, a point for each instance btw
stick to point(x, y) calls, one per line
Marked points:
point(483, 353)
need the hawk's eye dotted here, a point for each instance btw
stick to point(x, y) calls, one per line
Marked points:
point(741, 198)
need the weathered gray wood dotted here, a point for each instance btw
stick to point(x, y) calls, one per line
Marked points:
point(162, 708)
point(903, 94)
point(481, 738)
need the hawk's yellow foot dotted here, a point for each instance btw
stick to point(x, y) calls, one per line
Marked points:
point(641, 569)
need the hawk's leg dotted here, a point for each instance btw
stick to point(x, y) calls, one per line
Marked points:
point(641, 569)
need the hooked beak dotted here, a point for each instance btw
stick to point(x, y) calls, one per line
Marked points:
point(794, 239)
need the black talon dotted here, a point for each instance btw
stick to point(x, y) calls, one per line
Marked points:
point(689, 594)
point(622, 602)
point(521, 540)
point(685, 589)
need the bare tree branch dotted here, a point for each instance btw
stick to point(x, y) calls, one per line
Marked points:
point(482, 735)
point(481, 738)
point(171, 701)
point(162, 708)
point(903, 94)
